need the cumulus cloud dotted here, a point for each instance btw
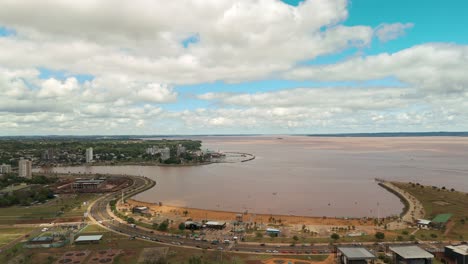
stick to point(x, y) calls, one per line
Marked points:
point(435, 67)
point(386, 32)
point(136, 57)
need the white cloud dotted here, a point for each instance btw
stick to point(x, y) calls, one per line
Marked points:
point(134, 53)
point(386, 32)
point(433, 67)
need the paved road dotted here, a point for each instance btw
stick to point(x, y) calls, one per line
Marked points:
point(99, 212)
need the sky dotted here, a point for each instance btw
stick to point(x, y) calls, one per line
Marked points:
point(155, 67)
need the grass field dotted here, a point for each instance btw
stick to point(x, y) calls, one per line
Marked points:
point(439, 201)
point(8, 234)
point(72, 206)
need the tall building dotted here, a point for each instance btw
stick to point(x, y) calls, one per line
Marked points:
point(48, 154)
point(165, 153)
point(180, 150)
point(89, 155)
point(25, 168)
point(4, 168)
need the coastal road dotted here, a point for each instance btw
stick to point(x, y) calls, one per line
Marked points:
point(99, 212)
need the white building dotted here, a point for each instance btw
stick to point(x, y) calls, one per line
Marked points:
point(89, 155)
point(25, 168)
point(152, 150)
point(165, 153)
point(180, 150)
point(4, 168)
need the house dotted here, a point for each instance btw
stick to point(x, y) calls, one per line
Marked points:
point(410, 255)
point(214, 225)
point(355, 255)
point(456, 254)
point(423, 223)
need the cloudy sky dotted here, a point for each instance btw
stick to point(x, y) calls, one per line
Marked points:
point(232, 66)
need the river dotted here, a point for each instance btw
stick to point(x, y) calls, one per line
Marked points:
point(308, 176)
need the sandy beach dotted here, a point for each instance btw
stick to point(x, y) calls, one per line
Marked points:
point(201, 214)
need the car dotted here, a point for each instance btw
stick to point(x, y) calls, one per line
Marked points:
point(275, 251)
point(262, 244)
point(220, 248)
point(257, 251)
point(268, 251)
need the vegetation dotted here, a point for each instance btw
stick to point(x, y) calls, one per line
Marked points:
point(438, 201)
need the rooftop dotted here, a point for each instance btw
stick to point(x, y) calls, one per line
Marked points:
point(213, 223)
point(411, 252)
point(460, 249)
point(355, 253)
point(42, 239)
point(442, 218)
point(424, 221)
point(88, 238)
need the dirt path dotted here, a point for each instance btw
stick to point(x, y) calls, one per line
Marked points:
point(415, 208)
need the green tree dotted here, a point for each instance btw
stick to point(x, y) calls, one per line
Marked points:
point(131, 220)
point(379, 235)
point(295, 238)
point(335, 236)
point(182, 226)
point(163, 226)
point(155, 226)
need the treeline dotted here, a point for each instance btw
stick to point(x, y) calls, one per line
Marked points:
point(11, 179)
point(26, 197)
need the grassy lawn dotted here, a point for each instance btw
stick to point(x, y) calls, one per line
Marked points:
point(72, 206)
point(9, 234)
point(438, 201)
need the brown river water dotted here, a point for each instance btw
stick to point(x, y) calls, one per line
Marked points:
point(308, 176)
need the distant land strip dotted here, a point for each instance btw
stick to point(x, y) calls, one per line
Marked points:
point(395, 134)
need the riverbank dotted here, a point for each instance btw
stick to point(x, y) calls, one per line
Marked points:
point(273, 219)
point(413, 210)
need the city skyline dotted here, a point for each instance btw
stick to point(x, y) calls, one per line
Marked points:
point(232, 67)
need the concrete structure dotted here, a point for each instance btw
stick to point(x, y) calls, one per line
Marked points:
point(423, 223)
point(88, 239)
point(25, 168)
point(273, 232)
point(355, 255)
point(89, 155)
point(456, 254)
point(4, 168)
point(165, 153)
point(87, 184)
point(440, 220)
point(411, 255)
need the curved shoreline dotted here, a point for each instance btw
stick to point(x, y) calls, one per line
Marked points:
point(413, 209)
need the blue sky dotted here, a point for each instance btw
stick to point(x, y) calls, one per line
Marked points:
point(236, 67)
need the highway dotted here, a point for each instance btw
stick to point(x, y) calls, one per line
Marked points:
point(99, 211)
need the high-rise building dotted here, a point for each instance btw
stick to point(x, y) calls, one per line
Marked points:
point(89, 155)
point(165, 153)
point(180, 150)
point(25, 168)
point(4, 168)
